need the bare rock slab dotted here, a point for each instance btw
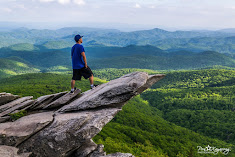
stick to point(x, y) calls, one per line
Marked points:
point(17, 107)
point(13, 133)
point(114, 92)
point(119, 155)
point(68, 132)
point(85, 149)
point(63, 100)
point(45, 100)
point(99, 152)
point(14, 103)
point(8, 151)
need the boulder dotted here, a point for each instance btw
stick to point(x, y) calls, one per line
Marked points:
point(13, 133)
point(7, 97)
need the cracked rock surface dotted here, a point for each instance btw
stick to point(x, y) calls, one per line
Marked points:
point(63, 125)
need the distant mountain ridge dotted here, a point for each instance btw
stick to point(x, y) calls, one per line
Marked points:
point(228, 30)
point(131, 56)
point(221, 41)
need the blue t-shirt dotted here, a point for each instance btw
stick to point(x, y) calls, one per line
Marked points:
point(77, 60)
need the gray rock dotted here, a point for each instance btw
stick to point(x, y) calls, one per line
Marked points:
point(68, 132)
point(63, 100)
point(98, 152)
point(4, 119)
point(114, 92)
point(7, 97)
point(14, 103)
point(8, 151)
point(17, 107)
point(119, 155)
point(152, 79)
point(45, 100)
point(13, 133)
point(85, 149)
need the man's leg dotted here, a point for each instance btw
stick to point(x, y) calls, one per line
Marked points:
point(72, 84)
point(91, 79)
point(87, 73)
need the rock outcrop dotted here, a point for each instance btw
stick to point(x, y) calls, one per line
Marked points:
point(62, 124)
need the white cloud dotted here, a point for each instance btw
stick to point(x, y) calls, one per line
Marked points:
point(46, 0)
point(137, 5)
point(233, 7)
point(79, 2)
point(64, 1)
point(6, 10)
point(20, 6)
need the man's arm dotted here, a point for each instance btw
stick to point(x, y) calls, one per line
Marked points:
point(84, 58)
point(72, 53)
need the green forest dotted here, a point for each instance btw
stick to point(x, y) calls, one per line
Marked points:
point(186, 109)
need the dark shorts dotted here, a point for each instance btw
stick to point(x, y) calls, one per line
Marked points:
point(78, 73)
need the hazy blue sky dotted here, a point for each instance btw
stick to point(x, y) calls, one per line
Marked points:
point(165, 13)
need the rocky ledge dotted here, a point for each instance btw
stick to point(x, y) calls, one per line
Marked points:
point(62, 124)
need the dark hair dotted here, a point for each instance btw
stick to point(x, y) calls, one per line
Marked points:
point(76, 40)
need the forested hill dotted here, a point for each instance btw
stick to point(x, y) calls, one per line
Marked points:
point(15, 66)
point(132, 56)
point(201, 100)
point(171, 119)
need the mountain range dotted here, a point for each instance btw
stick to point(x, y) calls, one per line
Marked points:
point(131, 56)
point(222, 41)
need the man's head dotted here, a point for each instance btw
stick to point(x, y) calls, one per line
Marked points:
point(78, 38)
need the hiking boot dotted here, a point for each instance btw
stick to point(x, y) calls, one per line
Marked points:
point(72, 92)
point(94, 86)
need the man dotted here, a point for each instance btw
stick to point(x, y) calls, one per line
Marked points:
point(79, 64)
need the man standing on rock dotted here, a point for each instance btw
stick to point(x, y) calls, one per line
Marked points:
point(79, 64)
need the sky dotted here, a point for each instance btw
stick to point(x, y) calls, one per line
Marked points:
point(171, 14)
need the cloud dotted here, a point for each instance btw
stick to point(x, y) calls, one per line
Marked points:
point(46, 0)
point(137, 5)
point(233, 7)
point(64, 1)
point(79, 2)
point(20, 6)
point(6, 10)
